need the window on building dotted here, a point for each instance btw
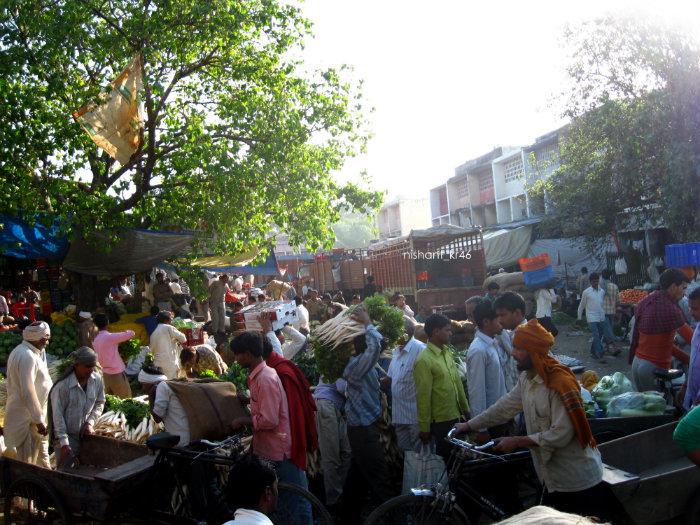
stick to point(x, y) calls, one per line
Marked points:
point(485, 181)
point(548, 153)
point(513, 169)
point(462, 188)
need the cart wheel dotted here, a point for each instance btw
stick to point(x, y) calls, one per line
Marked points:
point(33, 501)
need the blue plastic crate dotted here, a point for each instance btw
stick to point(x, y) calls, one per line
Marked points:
point(682, 255)
point(543, 278)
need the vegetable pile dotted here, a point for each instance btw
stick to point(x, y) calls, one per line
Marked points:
point(133, 409)
point(332, 342)
point(126, 419)
point(129, 349)
point(64, 339)
point(8, 341)
point(609, 387)
point(631, 404)
point(237, 375)
point(632, 296)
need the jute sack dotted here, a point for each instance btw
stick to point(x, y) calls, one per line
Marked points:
point(211, 406)
point(505, 280)
point(542, 515)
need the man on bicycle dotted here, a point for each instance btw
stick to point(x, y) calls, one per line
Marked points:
point(558, 435)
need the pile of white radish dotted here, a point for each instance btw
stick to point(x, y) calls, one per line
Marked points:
point(113, 424)
point(339, 330)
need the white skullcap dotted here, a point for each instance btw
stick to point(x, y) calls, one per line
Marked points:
point(36, 331)
point(85, 315)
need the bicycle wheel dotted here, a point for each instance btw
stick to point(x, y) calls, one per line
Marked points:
point(415, 510)
point(297, 506)
point(34, 501)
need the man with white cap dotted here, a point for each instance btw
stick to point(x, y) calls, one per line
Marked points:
point(28, 386)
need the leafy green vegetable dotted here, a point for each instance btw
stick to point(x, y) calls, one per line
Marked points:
point(208, 373)
point(237, 375)
point(389, 321)
point(134, 410)
point(129, 349)
point(331, 362)
point(307, 363)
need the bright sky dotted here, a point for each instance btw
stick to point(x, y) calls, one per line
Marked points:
point(452, 79)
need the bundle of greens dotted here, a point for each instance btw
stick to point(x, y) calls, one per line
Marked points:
point(306, 362)
point(609, 387)
point(332, 342)
point(237, 375)
point(208, 374)
point(129, 349)
point(135, 411)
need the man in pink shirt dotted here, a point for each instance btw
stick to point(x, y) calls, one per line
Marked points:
point(269, 417)
point(106, 345)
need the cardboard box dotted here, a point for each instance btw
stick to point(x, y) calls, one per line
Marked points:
point(283, 313)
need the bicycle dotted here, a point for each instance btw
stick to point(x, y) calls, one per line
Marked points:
point(188, 501)
point(439, 504)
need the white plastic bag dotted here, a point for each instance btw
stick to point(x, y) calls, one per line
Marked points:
point(620, 266)
point(421, 469)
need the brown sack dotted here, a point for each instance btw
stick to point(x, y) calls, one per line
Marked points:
point(210, 405)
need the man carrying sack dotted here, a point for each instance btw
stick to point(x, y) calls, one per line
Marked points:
point(558, 435)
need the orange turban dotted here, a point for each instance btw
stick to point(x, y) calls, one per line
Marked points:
point(533, 338)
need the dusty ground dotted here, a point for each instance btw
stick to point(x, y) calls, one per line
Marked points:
point(574, 343)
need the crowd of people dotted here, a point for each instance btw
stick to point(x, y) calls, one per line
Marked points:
point(515, 392)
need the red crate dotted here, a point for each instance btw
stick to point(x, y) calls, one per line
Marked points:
point(195, 336)
point(535, 263)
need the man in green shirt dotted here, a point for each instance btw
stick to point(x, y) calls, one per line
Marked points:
point(440, 396)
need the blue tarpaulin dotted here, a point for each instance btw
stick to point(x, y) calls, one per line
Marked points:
point(24, 241)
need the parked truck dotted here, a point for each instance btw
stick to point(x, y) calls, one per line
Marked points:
point(439, 268)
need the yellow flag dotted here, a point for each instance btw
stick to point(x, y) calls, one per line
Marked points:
point(115, 124)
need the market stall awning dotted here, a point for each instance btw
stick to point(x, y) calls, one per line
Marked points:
point(225, 261)
point(504, 247)
point(137, 251)
point(241, 264)
point(38, 241)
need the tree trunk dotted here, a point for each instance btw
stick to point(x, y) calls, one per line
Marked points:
point(89, 292)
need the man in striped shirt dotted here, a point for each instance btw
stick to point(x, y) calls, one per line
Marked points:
point(404, 414)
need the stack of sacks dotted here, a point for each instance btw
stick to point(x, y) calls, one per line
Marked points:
point(514, 282)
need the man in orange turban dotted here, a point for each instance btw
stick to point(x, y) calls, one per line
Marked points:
point(558, 435)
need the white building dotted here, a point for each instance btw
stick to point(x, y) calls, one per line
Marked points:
point(399, 216)
point(494, 189)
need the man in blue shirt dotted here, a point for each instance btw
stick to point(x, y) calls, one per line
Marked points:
point(363, 410)
point(150, 321)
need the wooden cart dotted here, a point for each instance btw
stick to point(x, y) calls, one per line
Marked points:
point(104, 485)
point(651, 477)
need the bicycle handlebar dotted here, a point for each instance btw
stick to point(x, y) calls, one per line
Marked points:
point(471, 447)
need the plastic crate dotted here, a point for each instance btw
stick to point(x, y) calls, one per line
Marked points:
point(538, 262)
point(683, 255)
point(536, 279)
point(195, 336)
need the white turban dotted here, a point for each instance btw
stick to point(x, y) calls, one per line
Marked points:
point(36, 331)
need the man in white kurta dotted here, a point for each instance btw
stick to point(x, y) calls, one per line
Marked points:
point(28, 386)
point(165, 346)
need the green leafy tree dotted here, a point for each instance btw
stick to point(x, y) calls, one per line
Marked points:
point(238, 139)
point(634, 104)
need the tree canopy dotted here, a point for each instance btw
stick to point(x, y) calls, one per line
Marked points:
point(634, 105)
point(238, 139)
